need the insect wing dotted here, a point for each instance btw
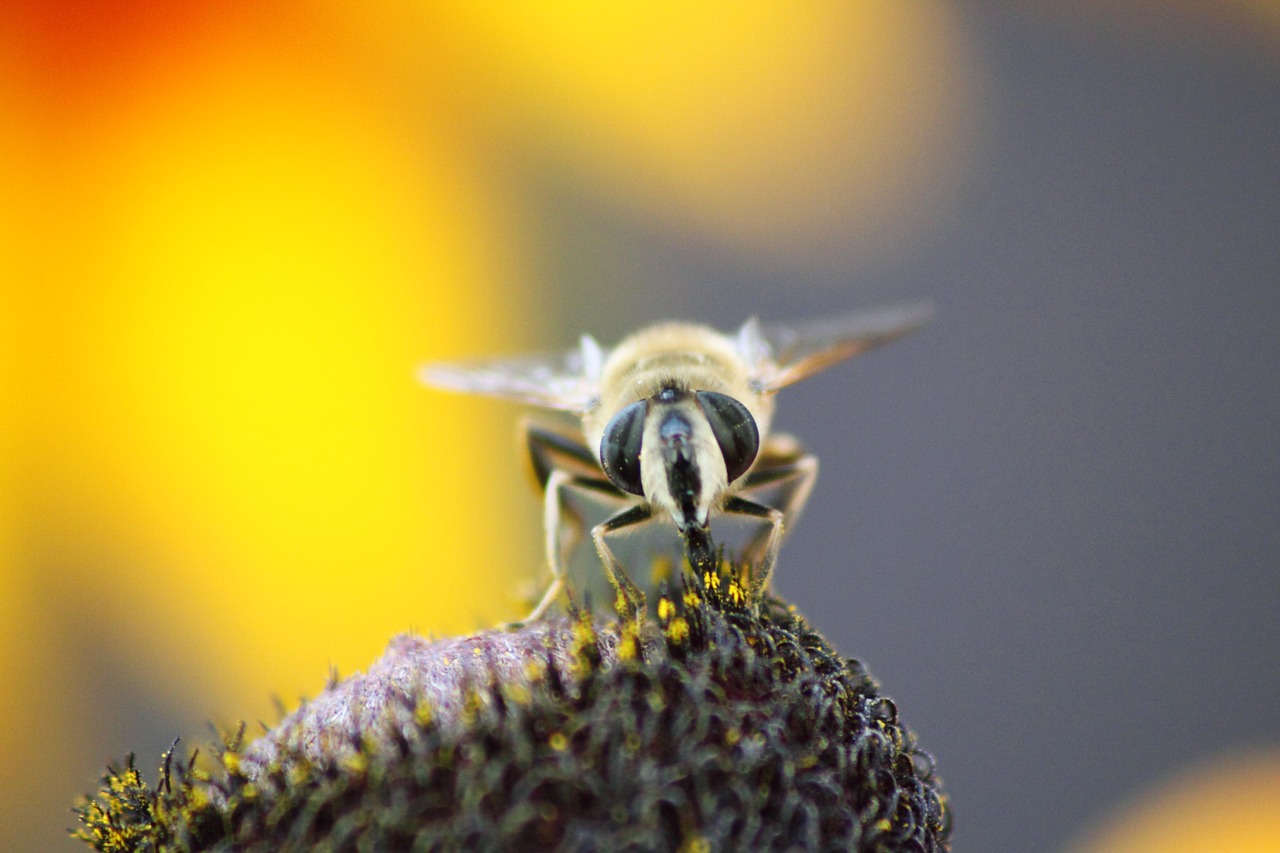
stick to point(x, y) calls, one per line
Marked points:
point(562, 381)
point(784, 354)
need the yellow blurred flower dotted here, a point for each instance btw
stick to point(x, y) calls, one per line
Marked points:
point(1230, 803)
point(787, 128)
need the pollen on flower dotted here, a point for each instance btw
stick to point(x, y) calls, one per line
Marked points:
point(628, 648)
point(298, 775)
point(664, 569)
point(696, 844)
point(678, 629)
point(665, 609)
point(711, 580)
point(518, 693)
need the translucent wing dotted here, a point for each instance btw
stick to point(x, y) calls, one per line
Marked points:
point(783, 354)
point(565, 381)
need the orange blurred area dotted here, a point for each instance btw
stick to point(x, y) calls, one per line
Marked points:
point(225, 478)
point(231, 231)
point(818, 127)
point(1231, 803)
point(241, 261)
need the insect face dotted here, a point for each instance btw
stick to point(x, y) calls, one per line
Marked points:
point(680, 450)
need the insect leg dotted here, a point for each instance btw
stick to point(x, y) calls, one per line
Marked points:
point(554, 510)
point(559, 461)
point(793, 480)
point(759, 574)
point(630, 596)
point(552, 504)
point(552, 447)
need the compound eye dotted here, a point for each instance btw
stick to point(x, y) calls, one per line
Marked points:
point(735, 431)
point(620, 448)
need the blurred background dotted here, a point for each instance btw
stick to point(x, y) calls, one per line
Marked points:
point(229, 232)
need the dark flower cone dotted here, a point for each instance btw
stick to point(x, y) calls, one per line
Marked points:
point(721, 725)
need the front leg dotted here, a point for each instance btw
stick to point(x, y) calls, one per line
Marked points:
point(792, 478)
point(630, 597)
point(561, 462)
point(552, 506)
point(554, 510)
point(759, 575)
point(554, 447)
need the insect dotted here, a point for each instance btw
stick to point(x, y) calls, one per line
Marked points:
point(675, 424)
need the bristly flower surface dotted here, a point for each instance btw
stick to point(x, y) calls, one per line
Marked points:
point(726, 725)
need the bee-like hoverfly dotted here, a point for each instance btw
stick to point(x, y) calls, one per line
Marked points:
point(675, 424)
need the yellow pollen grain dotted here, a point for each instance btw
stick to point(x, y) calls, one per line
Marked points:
point(696, 844)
